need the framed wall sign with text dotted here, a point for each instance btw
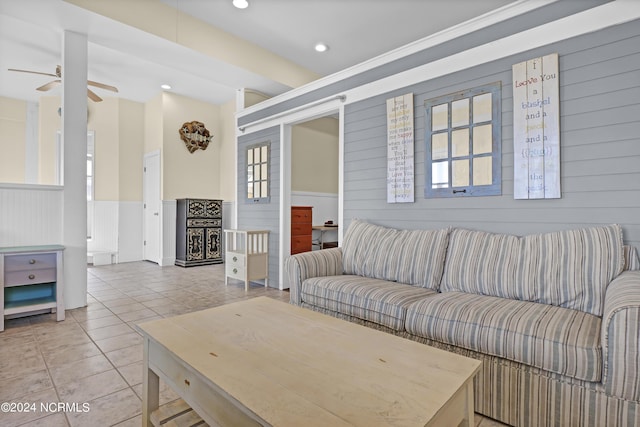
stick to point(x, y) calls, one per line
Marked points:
point(536, 128)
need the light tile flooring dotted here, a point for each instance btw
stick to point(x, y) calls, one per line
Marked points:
point(94, 357)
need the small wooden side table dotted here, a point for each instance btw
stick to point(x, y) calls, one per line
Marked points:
point(246, 255)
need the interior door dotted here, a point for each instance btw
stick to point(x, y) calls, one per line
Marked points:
point(151, 207)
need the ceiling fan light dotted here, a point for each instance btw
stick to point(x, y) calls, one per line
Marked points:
point(165, 86)
point(241, 4)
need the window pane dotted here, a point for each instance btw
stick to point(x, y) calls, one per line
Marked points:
point(460, 173)
point(439, 146)
point(249, 157)
point(264, 191)
point(250, 174)
point(482, 139)
point(264, 154)
point(256, 190)
point(460, 142)
point(440, 175)
point(460, 113)
point(250, 190)
point(440, 117)
point(256, 173)
point(256, 155)
point(264, 171)
point(482, 172)
point(482, 108)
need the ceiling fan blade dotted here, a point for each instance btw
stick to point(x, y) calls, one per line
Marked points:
point(33, 72)
point(48, 86)
point(102, 86)
point(93, 96)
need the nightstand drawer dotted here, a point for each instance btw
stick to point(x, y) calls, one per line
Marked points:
point(29, 277)
point(237, 272)
point(235, 259)
point(29, 262)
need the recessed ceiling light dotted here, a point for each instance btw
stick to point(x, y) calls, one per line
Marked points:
point(241, 4)
point(165, 86)
point(321, 47)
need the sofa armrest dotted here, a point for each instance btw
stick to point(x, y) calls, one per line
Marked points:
point(621, 336)
point(299, 267)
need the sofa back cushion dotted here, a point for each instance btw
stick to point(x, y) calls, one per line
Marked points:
point(567, 268)
point(631, 260)
point(413, 257)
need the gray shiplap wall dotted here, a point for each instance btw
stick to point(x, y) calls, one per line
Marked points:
point(265, 216)
point(600, 146)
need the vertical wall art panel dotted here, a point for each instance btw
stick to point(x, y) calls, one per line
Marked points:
point(400, 163)
point(536, 128)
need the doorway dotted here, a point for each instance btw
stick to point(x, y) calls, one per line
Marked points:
point(151, 207)
point(314, 176)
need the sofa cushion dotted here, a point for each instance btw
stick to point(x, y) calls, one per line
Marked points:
point(551, 338)
point(369, 299)
point(414, 257)
point(568, 269)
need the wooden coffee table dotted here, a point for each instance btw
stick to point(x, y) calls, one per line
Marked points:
point(266, 362)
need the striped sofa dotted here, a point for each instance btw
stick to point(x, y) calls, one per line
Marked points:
point(554, 317)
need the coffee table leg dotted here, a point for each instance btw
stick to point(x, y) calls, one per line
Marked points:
point(150, 388)
point(469, 421)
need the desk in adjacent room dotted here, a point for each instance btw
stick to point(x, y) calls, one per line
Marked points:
point(320, 242)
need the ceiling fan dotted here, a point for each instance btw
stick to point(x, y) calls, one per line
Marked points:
point(48, 86)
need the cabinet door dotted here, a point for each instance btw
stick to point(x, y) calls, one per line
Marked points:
point(214, 248)
point(196, 208)
point(213, 209)
point(195, 244)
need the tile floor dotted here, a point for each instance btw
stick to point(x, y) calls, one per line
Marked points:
point(94, 357)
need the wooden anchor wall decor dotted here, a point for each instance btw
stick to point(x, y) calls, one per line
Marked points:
point(195, 136)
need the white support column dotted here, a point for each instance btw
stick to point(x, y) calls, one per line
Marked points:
point(74, 134)
point(285, 201)
point(31, 145)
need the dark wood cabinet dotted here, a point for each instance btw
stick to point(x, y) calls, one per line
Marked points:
point(198, 232)
point(301, 220)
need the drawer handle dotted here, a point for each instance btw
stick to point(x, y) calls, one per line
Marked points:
point(32, 261)
point(235, 270)
point(235, 258)
point(187, 382)
point(32, 276)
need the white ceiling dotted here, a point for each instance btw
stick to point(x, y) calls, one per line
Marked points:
point(137, 62)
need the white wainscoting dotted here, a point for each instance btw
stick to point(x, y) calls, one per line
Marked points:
point(325, 205)
point(30, 214)
point(104, 236)
point(168, 238)
point(117, 228)
point(130, 233)
point(228, 215)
